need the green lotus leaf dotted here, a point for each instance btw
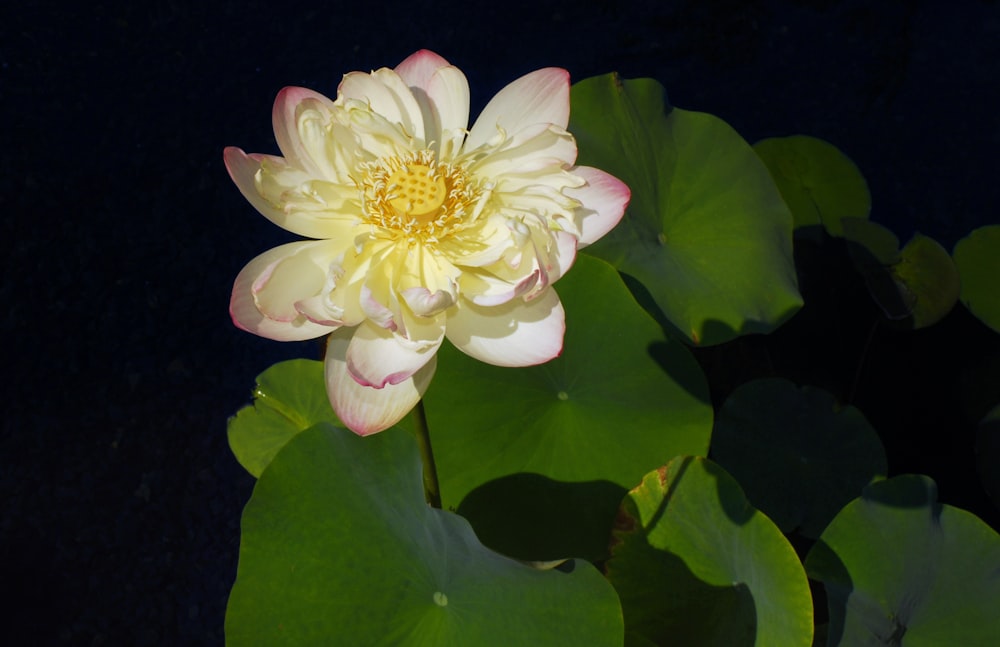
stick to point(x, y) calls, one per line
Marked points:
point(926, 271)
point(819, 183)
point(873, 243)
point(916, 286)
point(707, 233)
point(978, 259)
point(988, 453)
point(695, 564)
point(902, 569)
point(799, 455)
point(339, 548)
point(289, 398)
point(874, 250)
point(559, 444)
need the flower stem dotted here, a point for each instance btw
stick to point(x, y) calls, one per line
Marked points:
point(431, 490)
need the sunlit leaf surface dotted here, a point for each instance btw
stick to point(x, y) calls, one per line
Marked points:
point(695, 564)
point(707, 233)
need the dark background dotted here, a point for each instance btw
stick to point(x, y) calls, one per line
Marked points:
point(122, 232)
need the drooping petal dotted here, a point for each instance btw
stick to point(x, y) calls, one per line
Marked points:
point(246, 312)
point(425, 303)
point(516, 333)
point(604, 199)
point(378, 357)
point(363, 409)
point(541, 97)
point(485, 289)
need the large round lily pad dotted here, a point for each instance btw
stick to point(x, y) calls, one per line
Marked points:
point(978, 259)
point(707, 232)
point(695, 564)
point(339, 548)
point(902, 569)
point(798, 454)
point(559, 444)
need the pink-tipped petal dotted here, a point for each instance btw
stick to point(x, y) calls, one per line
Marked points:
point(243, 171)
point(498, 291)
point(378, 357)
point(513, 334)
point(442, 91)
point(244, 309)
point(448, 93)
point(541, 97)
point(418, 68)
point(287, 129)
point(425, 303)
point(363, 409)
point(604, 199)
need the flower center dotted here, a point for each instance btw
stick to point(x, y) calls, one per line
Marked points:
point(418, 191)
point(415, 196)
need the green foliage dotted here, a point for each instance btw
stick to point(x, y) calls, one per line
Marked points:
point(916, 286)
point(695, 564)
point(978, 259)
point(599, 454)
point(707, 233)
point(821, 185)
point(559, 444)
point(798, 454)
point(289, 398)
point(902, 569)
point(339, 548)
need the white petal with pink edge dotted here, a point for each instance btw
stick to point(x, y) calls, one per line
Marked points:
point(243, 170)
point(541, 97)
point(378, 357)
point(287, 324)
point(286, 119)
point(417, 69)
point(604, 199)
point(442, 91)
point(363, 409)
point(513, 334)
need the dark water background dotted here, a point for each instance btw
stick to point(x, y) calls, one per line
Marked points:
point(122, 232)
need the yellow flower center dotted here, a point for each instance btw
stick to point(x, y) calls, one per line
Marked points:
point(418, 192)
point(416, 197)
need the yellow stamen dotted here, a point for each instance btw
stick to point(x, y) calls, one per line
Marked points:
point(416, 198)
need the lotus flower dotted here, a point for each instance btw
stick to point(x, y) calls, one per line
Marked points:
point(422, 228)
